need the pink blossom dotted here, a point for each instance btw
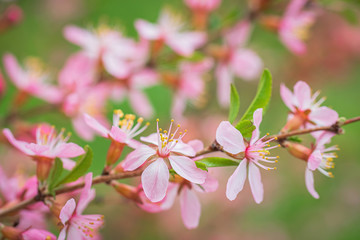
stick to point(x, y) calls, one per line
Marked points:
point(168, 30)
point(165, 151)
point(254, 152)
point(76, 225)
point(116, 53)
point(236, 60)
point(36, 234)
point(293, 29)
point(78, 72)
point(133, 86)
point(190, 84)
point(32, 79)
point(306, 111)
point(203, 5)
point(89, 100)
point(320, 159)
point(122, 131)
point(48, 145)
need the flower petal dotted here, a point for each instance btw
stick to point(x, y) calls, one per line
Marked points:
point(186, 43)
point(94, 124)
point(302, 93)
point(20, 145)
point(256, 185)
point(62, 234)
point(323, 116)
point(137, 157)
point(155, 180)
point(67, 211)
point(190, 208)
point(140, 103)
point(15, 72)
point(68, 163)
point(314, 160)
point(246, 64)
point(87, 194)
point(37, 234)
point(81, 37)
point(184, 148)
point(287, 97)
point(309, 182)
point(257, 118)
point(224, 78)
point(118, 134)
point(68, 150)
point(147, 30)
point(236, 181)
point(187, 169)
point(230, 138)
point(152, 139)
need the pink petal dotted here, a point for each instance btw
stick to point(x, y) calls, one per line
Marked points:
point(190, 208)
point(257, 188)
point(238, 35)
point(48, 93)
point(152, 139)
point(236, 181)
point(323, 116)
point(67, 211)
point(302, 93)
point(187, 169)
point(230, 138)
point(314, 160)
point(309, 182)
point(15, 72)
point(118, 134)
point(140, 103)
point(178, 106)
point(257, 118)
point(184, 149)
point(94, 124)
point(133, 143)
point(224, 79)
point(31, 219)
point(287, 97)
point(147, 30)
point(116, 66)
point(144, 78)
point(186, 43)
point(81, 37)
point(246, 64)
point(68, 164)
point(196, 144)
point(36, 234)
point(82, 129)
point(137, 158)
point(69, 150)
point(75, 233)
point(62, 234)
point(211, 184)
point(155, 179)
point(324, 137)
point(86, 194)
point(20, 145)
point(38, 150)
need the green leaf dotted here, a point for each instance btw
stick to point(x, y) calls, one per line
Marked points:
point(246, 128)
point(55, 174)
point(217, 162)
point(234, 104)
point(262, 97)
point(294, 139)
point(81, 167)
point(201, 165)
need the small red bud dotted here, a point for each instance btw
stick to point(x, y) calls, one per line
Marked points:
point(298, 150)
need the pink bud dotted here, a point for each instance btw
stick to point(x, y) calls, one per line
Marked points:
point(298, 150)
point(127, 191)
point(14, 14)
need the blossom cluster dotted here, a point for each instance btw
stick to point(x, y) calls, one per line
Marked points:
point(113, 67)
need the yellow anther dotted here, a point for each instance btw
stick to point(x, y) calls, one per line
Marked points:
point(267, 134)
point(160, 129)
point(268, 169)
point(276, 138)
point(275, 168)
point(147, 124)
point(186, 130)
point(119, 112)
point(172, 120)
point(277, 157)
point(331, 175)
point(276, 161)
point(140, 120)
point(165, 131)
point(178, 125)
point(157, 120)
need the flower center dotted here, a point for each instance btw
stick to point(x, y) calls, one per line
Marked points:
point(167, 140)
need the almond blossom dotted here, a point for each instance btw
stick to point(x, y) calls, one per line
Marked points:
point(168, 30)
point(121, 133)
point(76, 225)
point(189, 202)
point(133, 86)
point(305, 110)
point(32, 79)
point(48, 146)
point(293, 28)
point(107, 46)
point(189, 85)
point(12, 233)
point(166, 151)
point(321, 159)
point(235, 59)
point(254, 153)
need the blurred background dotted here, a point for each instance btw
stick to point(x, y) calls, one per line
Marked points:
point(288, 211)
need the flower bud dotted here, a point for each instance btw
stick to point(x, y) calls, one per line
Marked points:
point(10, 233)
point(114, 152)
point(43, 167)
point(296, 121)
point(298, 150)
point(127, 191)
